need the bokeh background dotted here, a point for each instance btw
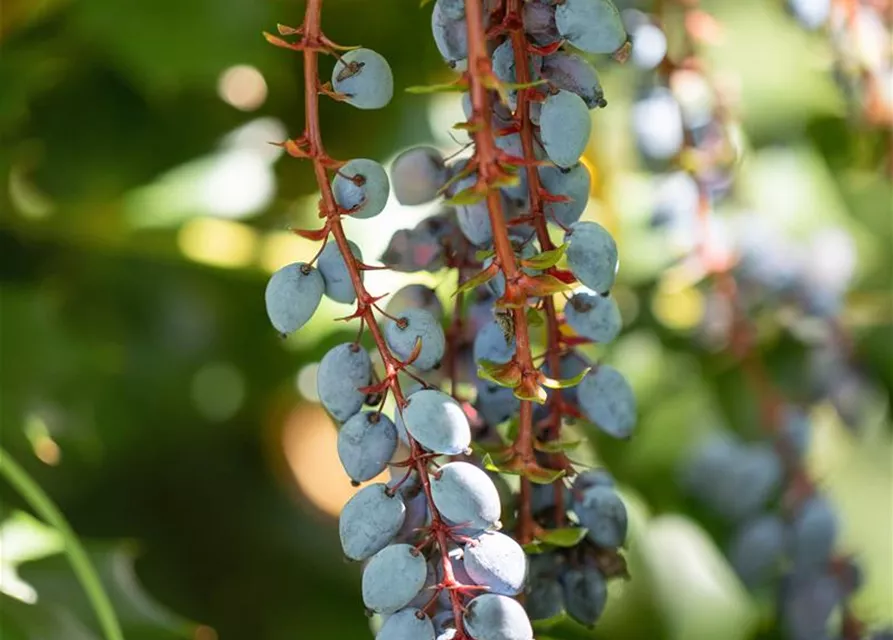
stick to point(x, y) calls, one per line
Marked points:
point(141, 211)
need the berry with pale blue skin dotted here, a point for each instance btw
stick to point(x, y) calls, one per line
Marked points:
point(591, 478)
point(456, 558)
point(418, 175)
point(571, 72)
point(503, 62)
point(572, 183)
point(564, 127)
point(812, 14)
point(361, 187)
point(495, 403)
point(366, 443)
point(607, 400)
point(334, 272)
point(585, 594)
point(649, 45)
point(570, 366)
point(292, 296)
point(539, 22)
point(603, 513)
point(437, 422)
point(474, 222)
point(415, 296)
point(494, 560)
point(424, 595)
point(466, 495)
point(393, 577)
point(407, 624)
point(591, 25)
point(813, 535)
point(795, 431)
point(807, 606)
point(417, 515)
point(495, 617)
point(364, 77)
point(544, 594)
point(592, 255)
point(758, 549)
point(491, 344)
point(369, 520)
point(542, 497)
point(414, 325)
point(594, 317)
point(657, 124)
point(450, 35)
point(342, 371)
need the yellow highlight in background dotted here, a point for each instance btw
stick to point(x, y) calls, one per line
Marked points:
point(221, 243)
point(680, 308)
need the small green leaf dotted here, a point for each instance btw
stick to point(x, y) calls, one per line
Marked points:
point(539, 396)
point(533, 548)
point(476, 280)
point(565, 537)
point(507, 180)
point(446, 87)
point(534, 318)
point(471, 195)
point(545, 285)
point(541, 475)
point(523, 85)
point(505, 375)
point(545, 259)
point(471, 127)
point(556, 446)
point(552, 383)
point(423, 3)
point(482, 254)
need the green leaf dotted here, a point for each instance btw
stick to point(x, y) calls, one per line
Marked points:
point(476, 280)
point(552, 383)
point(505, 375)
point(482, 254)
point(556, 446)
point(424, 2)
point(545, 259)
point(565, 537)
point(471, 195)
point(507, 180)
point(533, 548)
point(538, 396)
point(471, 127)
point(541, 475)
point(545, 285)
point(523, 85)
point(534, 318)
point(446, 87)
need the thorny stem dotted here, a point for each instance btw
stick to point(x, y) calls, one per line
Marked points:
point(313, 41)
point(479, 73)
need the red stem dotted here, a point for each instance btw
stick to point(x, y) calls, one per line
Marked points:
point(314, 41)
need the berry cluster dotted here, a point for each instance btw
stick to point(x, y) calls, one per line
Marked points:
point(784, 531)
point(438, 560)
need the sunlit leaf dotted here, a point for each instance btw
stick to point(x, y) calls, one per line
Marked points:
point(564, 537)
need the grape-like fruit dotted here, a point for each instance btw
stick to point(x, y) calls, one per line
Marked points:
point(418, 174)
point(364, 77)
point(494, 617)
point(369, 520)
point(415, 296)
point(795, 431)
point(572, 183)
point(342, 371)
point(813, 535)
point(757, 549)
point(492, 344)
point(676, 199)
point(594, 317)
point(292, 296)
point(504, 67)
point(592, 255)
point(495, 403)
point(407, 624)
point(649, 45)
point(603, 513)
point(807, 606)
point(539, 22)
point(564, 127)
point(417, 515)
point(413, 325)
point(456, 558)
point(423, 597)
point(334, 272)
point(393, 577)
point(437, 422)
point(657, 124)
point(450, 35)
point(545, 598)
point(466, 495)
point(571, 72)
point(497, 282)
point(494, 560)
point(366, 442)
point(591, 25)
point(361, 187)
point(608, 401)
point(591, 478)
point(585, 594)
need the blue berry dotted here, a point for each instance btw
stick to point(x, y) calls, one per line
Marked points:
point(594, 317)
point(334, 272)
point(393, 577)
point(494, 617)
point(539, 22)
point(572, 183)
point(813, 535)
point(591, 25)
point(657, 124)
point(407, 624)
point(492, 344)
point(494, 560)
point(413, 325)
point(757, 549)
point(592, 255)
point(365, 78)
point(450, 36)
point(495, 403)
point(342, 371)
point(366, 443)
point(361, 187)
point(415, 296)
point(292, 296)
point(418, 175)
point(608, 401)
point(466, 495)
point(603, 513)
point(436, 421)
point(564, 127)
point(571, 72)
point(585, 594)
point(369, 520)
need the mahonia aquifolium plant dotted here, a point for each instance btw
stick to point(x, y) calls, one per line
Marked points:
point(448, 551)
point(784, 533)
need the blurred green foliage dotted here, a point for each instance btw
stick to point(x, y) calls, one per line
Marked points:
point(107, 324)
